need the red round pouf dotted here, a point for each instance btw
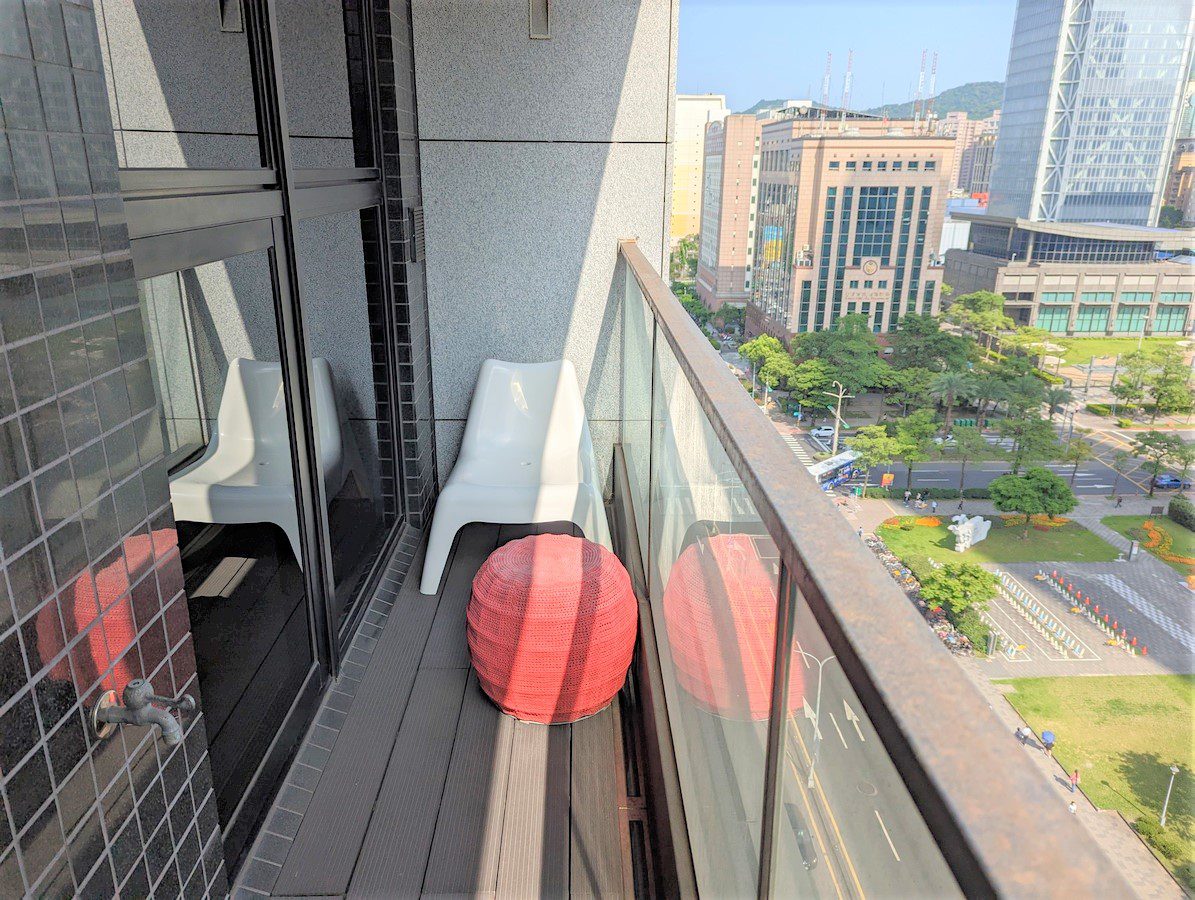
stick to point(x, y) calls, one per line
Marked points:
point(720, 615)
point(551, 627)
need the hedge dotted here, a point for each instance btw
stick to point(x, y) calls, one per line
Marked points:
point(1182, 511)
point(975, 628)
point(1124, 423)
point(898, 493)
point(1099, 409)
point(1048, 377)
point(977, 493)
point(1167, 843)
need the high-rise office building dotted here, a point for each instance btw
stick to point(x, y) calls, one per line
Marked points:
point(728, 185)
point(846, 223)
point(693, 113)
point(1090, 109)
point(979, 166)
point(966, 133)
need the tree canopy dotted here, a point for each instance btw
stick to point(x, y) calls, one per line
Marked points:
point(1038, 492)
point(959, 586)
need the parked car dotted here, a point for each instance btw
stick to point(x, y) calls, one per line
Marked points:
point(823, 432)
point(944, 441)
point(1168, 482)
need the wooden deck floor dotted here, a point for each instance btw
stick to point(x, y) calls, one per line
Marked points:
point(431, 791)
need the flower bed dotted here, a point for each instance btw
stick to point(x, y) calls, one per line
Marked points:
point(1161, 544)
point(1040, 522)
point(928, 521)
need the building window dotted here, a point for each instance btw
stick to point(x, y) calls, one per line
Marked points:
point(1174, 297)
point(1171, 319)
point(867, 165)
point(882, 166)
point(1066, 297)
point(833, 164)
point(1095, 297)
point(1136, 297)
point(1091, 320)
point(1130, 319)
point(851, 165)
point(930, 165)
point(1054, 319)
point(883, 284)
point(913, 165)
point(868, 284)
point(854, 283)
point(896, 165)
point(875, 222)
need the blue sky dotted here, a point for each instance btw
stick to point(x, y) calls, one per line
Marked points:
point(753, 49)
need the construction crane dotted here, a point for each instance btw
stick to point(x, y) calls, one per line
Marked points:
point(846, 87)
point(920, 88)
point(933, 86)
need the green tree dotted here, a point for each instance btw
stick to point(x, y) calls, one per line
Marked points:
point(909, 387)
point(1076, 453)
point(949, 387)
point(968, 446)
point(683, 260)
point(875, 446)
point(1032, 437)
point(1123, 463)
point(758, 349)
point(1156, 449)
point(1038, 492)
point(1167, 385)
point(920, 341)
point(1170, 217)
point(1183, 458)
point(809, 379)
point(981, 311)
point(914, 440)
point(988, 391)
point(850, 349)
point(1135, 368)
point(1057, 398)
point(776, 368)
point(1025, 393)
point(695, 308)
point(958, 587)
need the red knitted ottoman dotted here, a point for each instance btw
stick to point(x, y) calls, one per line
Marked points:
point(551, 627)
point(720, 616)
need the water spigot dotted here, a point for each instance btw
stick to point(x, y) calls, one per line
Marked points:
point(141, 706)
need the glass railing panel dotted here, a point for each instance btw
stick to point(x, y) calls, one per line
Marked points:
point(847, 825)
point(714, 576)
point(638, 328)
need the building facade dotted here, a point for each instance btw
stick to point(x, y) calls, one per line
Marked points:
point(979, 167)
point(847, 224)
point(693, 113)
point(967, 133)
point(1079, 279)
point(1091, 107)
point(728, 189)
point(1180, 185)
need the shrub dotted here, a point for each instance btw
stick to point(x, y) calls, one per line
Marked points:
point(1122, 422)
point(1167, 843)
point(1099, 409)
point(1048, 377)
point(1182, 511)
point(977, 493)
point(975, 629)
point(938, 493)
point(1147, 826)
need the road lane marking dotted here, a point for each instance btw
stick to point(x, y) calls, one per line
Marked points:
point(891, 845)
point(817, 832)
point(817, 782)
point(839, 730)
point(853, 719)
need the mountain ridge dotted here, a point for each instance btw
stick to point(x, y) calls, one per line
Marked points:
point(978, 99)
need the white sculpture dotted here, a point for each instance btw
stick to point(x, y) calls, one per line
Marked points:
point(968, 532)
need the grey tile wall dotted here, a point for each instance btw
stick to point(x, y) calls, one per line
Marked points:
point(90, 578)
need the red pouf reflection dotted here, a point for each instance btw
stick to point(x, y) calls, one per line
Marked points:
point(551, 627)
point(720, 615)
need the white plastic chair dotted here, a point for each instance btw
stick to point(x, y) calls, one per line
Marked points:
point(526, 457)
point(245, 474)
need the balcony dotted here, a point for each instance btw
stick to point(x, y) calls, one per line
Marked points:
point(790, 726)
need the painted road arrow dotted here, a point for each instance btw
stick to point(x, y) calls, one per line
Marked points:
point(854, 720)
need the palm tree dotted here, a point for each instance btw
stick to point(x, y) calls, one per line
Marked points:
point(1057, 398)
point(987, 389)
point(948, 388)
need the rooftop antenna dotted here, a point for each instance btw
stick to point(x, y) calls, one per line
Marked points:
point(933, 83)
point(825, 92)
point(920, 88)
point(846, 87)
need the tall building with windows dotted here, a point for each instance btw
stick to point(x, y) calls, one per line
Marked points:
point(728, 184)
point(847, 223)
point(693, 113)
point(979, 168)
point(1091, 107)
point(967, 133)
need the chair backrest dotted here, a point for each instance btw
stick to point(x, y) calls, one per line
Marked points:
point(253, 407)
point(534, 410)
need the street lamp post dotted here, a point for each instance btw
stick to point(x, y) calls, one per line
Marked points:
point(817, 712)
point(1169, 788)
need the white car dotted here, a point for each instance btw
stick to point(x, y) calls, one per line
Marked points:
point(823, 432)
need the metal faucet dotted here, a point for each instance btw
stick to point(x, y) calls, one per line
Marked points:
point(139, 709)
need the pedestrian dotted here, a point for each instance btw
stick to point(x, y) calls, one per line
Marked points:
point(960, 506)
point(1119, 501)
point(908, 494)
point(933, 507)
point(1074, 780)
point(1072, 809)
point(1047, 741)
point(860, 532)
point(918, 502)
point(1024, 733)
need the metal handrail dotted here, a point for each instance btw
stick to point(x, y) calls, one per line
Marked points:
point(995, 820)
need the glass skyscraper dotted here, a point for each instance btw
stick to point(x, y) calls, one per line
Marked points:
point(1091, 108)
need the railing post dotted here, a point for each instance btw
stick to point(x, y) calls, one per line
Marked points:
point(786, 618)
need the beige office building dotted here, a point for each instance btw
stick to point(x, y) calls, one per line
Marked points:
point(1074, 278)
point(729, 181)
point(966, 133)
point(693, 113)
point(847, 223)
point(1180, 184)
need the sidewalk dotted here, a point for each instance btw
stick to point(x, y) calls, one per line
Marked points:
point(1107, 828)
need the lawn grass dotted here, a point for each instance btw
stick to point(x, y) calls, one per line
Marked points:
point(1183, 539)
point(1123, 733)
point(1081, 350)
point(1004, 544)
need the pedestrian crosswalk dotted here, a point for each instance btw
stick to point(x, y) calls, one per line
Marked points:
point(799, 448)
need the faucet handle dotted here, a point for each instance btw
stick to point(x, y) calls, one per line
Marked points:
point(139, 693)
point(183, 702)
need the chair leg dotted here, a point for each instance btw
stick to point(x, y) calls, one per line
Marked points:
point(439, 545)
